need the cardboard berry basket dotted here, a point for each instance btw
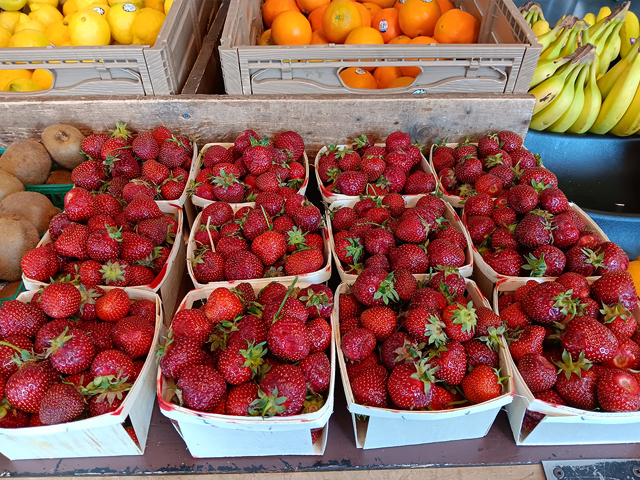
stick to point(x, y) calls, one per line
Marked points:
point(562, 424)
point(329, 197)
point(203, 202)
point(387, 427)
point(450, 214)
point(166, 282)
point(487, 276)
point(101, 436)
point(320, 276)
point(210, 435)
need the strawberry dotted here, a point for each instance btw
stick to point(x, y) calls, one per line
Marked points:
point(240, 399)
point(134, 336)
point(627, 356)
point(514, 317)
point(369, 388)
point(222, 305)
point(99, 406)
point(60, 300)
point(349, 306)
point(442, 161)
point(316, 369)
point(240, 362)
point(138, 187)
point(380, 320)
point(105, 244)
point(553, 200)
point(112, 362)
point(373, 167)
point(619, 320)
point(61, 403)
point(482, 384)
point(217, 214)
point(88, 175)
point(208, 267)
point(272, 203)
point(452, 362)
point(71, 352)
point(539, 178)
point(480, 204)
point(57, 224)
point(533, 231)
point(72, 242)
point(126, 167)
point(618, 391)
point(288, 340)
point(442, 253)
point(613, 258)
point(173, 186)
point(584, 335)
point(357, 344)
point(304, 261)
point(397, 141)
point(318, 300)
point(548, 302)
point(480, 227)
point(480, 353)
point(522, 198)
point(116, 273)
point(351, 183)
point(328, 169)
point(503, 238)
point(243, 265)
point(113, 306)
point(577, 382)
point(426, 327)
point(509, 141)
point(460, 321)
point(537, 372)
point(178, 354)
point(141, 208)
point(409, 385)
point(319, 335)
point(257, 158)
point(393, 179)
point(92, 145)
point(545, 260)
point(173, 153)
point(202, 387)
point(7, 352)
point(374, 288)
point(26, 387)
point(79, 205)
point(145, 146)
point(468, 170)
point(429, 299)
point(307, 218)
point(362, 143)
point(99, 333)
point(135, 247)
point(348, 160)
point(253, 329)
point(282, 392)
point(216, 154)
point(39, 264)
point(526, 341)
point(615, 287)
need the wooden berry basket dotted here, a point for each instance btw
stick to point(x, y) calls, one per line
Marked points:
point(101, 436)
point(210, 435)
point(387, 427)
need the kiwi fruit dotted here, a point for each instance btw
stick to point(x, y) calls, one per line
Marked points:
point(64, 144)
point(18, 237)
point(9, 184)
point(28, 161)
point(31, 206)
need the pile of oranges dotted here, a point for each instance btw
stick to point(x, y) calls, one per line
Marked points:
point(321, 22)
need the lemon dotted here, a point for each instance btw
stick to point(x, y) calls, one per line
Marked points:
point(29, 38)
point(82, 4)
point(121, 17)
point(9, 20)
point(138, 3)
point(58, 33)
point(69, 7)
point(540, 27)
point(5, 36)
point(46, 13)
point(146, 26)
point(7, 75)
point(167, 6)
point(22, 85)
point(43, 78)
point(89, 28)
point(29, 24)
point(100, 8)
point(155, 4)
point(12, 5)
point(53, 3)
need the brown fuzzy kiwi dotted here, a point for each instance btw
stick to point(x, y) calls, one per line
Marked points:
point(31, 206)
point(18, 237)
point(9, 184)
point(64, 143)
point(60, 177)
point(28, 161)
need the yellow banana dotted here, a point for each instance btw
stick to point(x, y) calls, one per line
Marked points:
point(559, 105)
point(590, 18)
point(604, 12)
point(610, 51)
point(532, 12)
point(618, 15)
point(546, 68)
point(606, 81)
point(553, 50)
point(548, 90)
point(592, 103)
point(571, 44)
point(569, 117)
point(619, 99)
point(561, 19)
point(629, 32)
point(630, 121)
point(540, 27)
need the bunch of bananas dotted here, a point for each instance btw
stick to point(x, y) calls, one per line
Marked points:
point(534, 16)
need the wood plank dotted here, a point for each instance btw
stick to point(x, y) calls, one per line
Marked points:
point(320, 119)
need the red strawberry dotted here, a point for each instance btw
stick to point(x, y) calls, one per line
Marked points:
point(222, 305)
point(584, 335)
point(92, 145)
point(317, 372)
point(243, 265)
point(429, 299)
point(370, 387)
point(533, 231)
point(539, 177)
point(216, 154)
point(488, 145)
point(288, 339)
point(72, 242)
point(482, 384)
point(618, 391)
point(239, 363)
point(113, 306)
point(135, 247)
point(318, 299)
point(460, 321)
point(615, 287)
point(141, 208)
point(99, 333)
point(409, 385)
point(392, 179)
point(104, 244)
point(480, 227)
point(469, 170)
point(526, 341)
point(60, 300)
point(26, 387)
point(480, 204)
point(319, 334)
point(522, 198)
point(178, 354)
point(173, 153)
point(348, 160)
point(291, 143)
point(240, 399)
point(452, 362)
point(442, 253)
point(509, 141)
point(397, 141)
point(548, 302)
point(257, 158)
point(79, 205)
point(138, 187)
point(443, 161)
point(351, 183)
point(304, 261)
point(7, 352)
point(545, 261)
point(537, 372)
point(71, 352)
point(358, 344)
point(374, 288)
point(373, 167)
point(380, 320)
point(39, 264)
point(88, 175)
point(480, 353)
point(134, 336)
point(116, 273)
point(577, 382)
point(613, 258)
point(173, 186)
point(14, 418)
point(208, 267)
point(61, 403)
point(112, 362)
point(145, 146)
point(202, 387)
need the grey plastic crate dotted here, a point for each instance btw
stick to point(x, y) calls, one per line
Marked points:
point(503, 60)
point(122, 69)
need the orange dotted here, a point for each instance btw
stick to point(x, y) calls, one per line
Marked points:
point(456, 26)
point(308, 6)
point(385, 75)
point(401, 82)
point(382, 3)
point(398, 4)
point(291, 28)
point(415, 71)
point(315, 18)
point(364, 36)
point(265, 38)
point(339, 19)
point(386, 22)
point(272, 8)
point(373, 8)
point(318, 38)
point(402, 39)
point(419, 17)
point(445, 6)
point(364, 14)
point(358, 78)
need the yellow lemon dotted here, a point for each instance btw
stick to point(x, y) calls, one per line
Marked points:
point(9, 20)
point(89, 28)
point(12, 5)
point(5, 36)
point(43, 78)
point(146, 26)
point(167, 6)
point(46, 13)
point(7, 75)
point(69, 7)
point(100, 8)
point(22, 85)
point(29, 24)
point(138, 3)
point(82, 4)
point(29, 38)
point(53, 3)
point(155, 4)
point(120, 19)
point(58, 33)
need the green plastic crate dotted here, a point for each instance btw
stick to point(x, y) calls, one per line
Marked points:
point(19, 290)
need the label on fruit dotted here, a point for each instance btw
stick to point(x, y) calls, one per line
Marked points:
point(383, 26)
point(419, 91)
point(632, 41)
point(99, 10)
point(360, 71)
point(129, 7)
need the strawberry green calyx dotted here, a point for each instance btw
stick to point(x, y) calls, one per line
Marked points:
point(426, 374)
point(569, 366)
point(263, 143)
point(112, 272)
point(312, 299)
point(120, 131)
point(538, 160)
point(361, 141)
point(568, 306)
point(296, 237)
point(267, 405)
point(492, 340)
point(434, 330)
point(313, 403)
point(218, 339)
point(409, 352)
point(611, 312)
point(494, 160)
point(500, 380)
point(88, 296)
point(354, 249)
point(467, 190)
point(594, 258)
point(539, 186)
point(253, 355)
point(514, 335)
point(385, 291)
point(537, 266)
point(224, 179)
point(22, 356)
point(107, 388)
point(162, 349)
point(465, 316)
point(58, 342)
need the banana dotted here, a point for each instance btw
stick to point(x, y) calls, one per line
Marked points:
point(540, 27)
point(561, 19)
point(619, 99)
point(547, 38)
point(604, 12)
point(569, 117)
point(592, 103)
point(547, 68)
point(611, 50)
point(606, 81)
point(630, 121)
point(571, 44)
point(553, 50)
point(590, 18)
point(559, 105)
point(532, 12)
point(629, 33)
point(547, 91)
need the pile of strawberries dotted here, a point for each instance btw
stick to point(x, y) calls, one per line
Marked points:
point(251, 166)
point(96, 241)
point(276, 238)
point(534, 231)
point(71, 353)
point(375, 170)
point(576, 344)
point(498, 162)
point(417, 348)
point(155, 164)
point(243, 355)
point(380, 232)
